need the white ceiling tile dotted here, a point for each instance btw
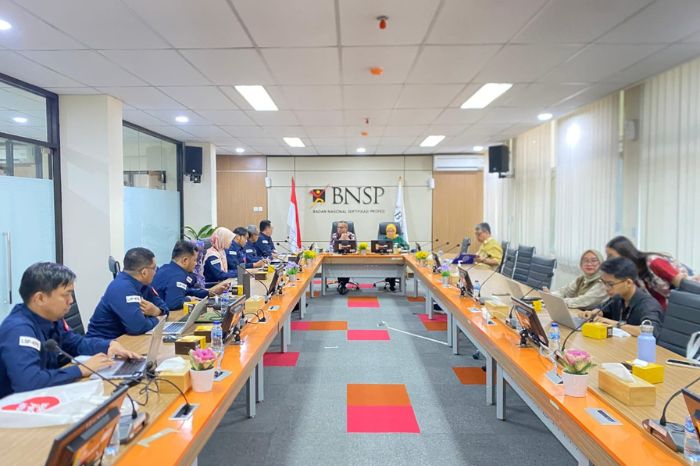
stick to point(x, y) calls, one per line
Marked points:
point(147, 98)
point(458, 116)
point(313, 97)
point(371, 118)
point(255, 141)
point(280, 118)
point(428, 95)
point(85, 66)
point(208, 132)
point(271, 149)
point(595, 92)
point(598, 61)
point(446, 130)
point(664, 21)
point(17, 66)
point(331, 150)
point(450, 63)
point(481, 22)
point(467, 92)
point(577, 22)
point(406, 25)
point(391, 150)
point(158, 67)
point(395, 61)
point(422, 116)
point(141, 118)
point(230, 67)
point(539, 95)
point(226, 117)
point(200, 97)
point(286, 131)
point(304, 66)
point(525, 63)
point(325, 131)
point(327, 141)
point(281, 23)
point(169, 116)
point(73, 90)
point(245, 131)
point(363, 131)
point(31, 33)
point(509, 115)
point(371, 96)
point(320, 117)
point(100, 25)
point(403, 131)
point(388, 141)
point(657, 63)
point(188, 24)
point(172, 132)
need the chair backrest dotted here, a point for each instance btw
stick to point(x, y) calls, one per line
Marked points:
point(541, 272)
point(504, 248)
point(691, 286)
point(381, 233)
point(682, 319)
point(114, 266)
point(509, 258)
point(523, 262)
point(351, 226)
point(73, 318)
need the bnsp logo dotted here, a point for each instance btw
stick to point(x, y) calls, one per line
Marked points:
point(318, 195)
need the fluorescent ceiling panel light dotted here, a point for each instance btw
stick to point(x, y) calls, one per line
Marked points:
point(182, 119)
point(258, 98)
point(240, 150)
point(361, 150)
point(544, 116)
point(4, 25)
point(486, 94)
point(294, 142)
point(432, 141)
point(478, 148)
point(19, 120)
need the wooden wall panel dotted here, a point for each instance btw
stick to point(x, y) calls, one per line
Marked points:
point(458, 205)
point(240, 187)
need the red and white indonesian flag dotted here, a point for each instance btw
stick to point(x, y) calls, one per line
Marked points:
point(293, 221)
point(400, 211)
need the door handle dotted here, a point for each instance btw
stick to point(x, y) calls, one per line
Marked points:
point(8, 247)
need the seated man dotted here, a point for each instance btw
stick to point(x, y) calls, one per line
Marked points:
point(252, 253)
point(628, 305)
point(174, 281)
point(490, 252)
point(264, 243)
point(236, 255)
point(392, 234)
point(47, 294)
point(341, 234)
point(130, 305)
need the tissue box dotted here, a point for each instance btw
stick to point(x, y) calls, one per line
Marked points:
point(181, 379)
point(204, 331)
point(259, 274)
point(652, 372)
point(497, 308)
point(637, 393)
point(183, 345)
point(254, 303)
point(597, 330)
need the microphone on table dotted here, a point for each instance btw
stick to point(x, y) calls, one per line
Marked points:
point(670, 433)
point(578, 327)
point(284, 246)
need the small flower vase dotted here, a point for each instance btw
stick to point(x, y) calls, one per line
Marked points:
point(363, 251)
point(422, 262)
point(202, 381)
point(445, 280)
point(575, 385)
point(302, 261)
point(292, 277)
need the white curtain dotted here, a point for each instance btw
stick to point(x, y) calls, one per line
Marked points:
point(669, 217)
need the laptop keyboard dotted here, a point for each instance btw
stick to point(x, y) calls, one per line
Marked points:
point(129, 367)
point(174, 327)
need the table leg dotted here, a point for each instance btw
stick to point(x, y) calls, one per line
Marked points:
point(250, 395)
point(450, 334)
point(500, 394)
point(404, 284)
point(260, 379)
point(286, 333)
point(323, 281)
point(490, 379)
point(415, 284)
point(454, 329)
point(311, 286)
point(302, 305)
point(429, 305)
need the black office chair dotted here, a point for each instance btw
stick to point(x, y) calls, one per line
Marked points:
point(381, 234)
point(681, 320)
point(541, 272)
point(351, 229)
point(504, 248)
point(523, 262)
point(509, 257)
point(114, 266)
point(73, 318)
point(690, 286)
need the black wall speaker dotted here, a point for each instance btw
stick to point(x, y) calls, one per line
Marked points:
point(499, 157)
point(193, 163)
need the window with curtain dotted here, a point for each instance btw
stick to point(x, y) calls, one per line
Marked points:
point(152, 192)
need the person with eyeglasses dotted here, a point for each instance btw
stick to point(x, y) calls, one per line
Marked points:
point(586, 291)
point(628, 305)
point(130, 305)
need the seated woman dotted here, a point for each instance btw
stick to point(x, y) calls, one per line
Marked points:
point(659, 273)
point(391, 234)
point(586, 291)
point(216, 260)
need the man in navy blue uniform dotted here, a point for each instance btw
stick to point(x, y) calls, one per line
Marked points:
point(47, 294)
point(264, 243)
point(252, 253)
point(174, 281)
point(236, 253)
point(130, 305)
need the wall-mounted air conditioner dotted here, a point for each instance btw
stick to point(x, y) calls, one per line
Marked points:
point(458, 163)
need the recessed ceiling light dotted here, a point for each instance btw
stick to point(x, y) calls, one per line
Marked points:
point(4, 25)
point(19, 119)
point(544, 116)
point(432, 141)
point(294, 142)
point(258, 98)
point(478, 148)
point(240, 150)
point(360, 150)
point(182, 119)
point(486, 94)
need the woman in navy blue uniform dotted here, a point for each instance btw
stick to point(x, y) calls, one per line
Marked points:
point(216, 261)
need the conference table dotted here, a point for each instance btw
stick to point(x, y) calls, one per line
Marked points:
point(166, 441)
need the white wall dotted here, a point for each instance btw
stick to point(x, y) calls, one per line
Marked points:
point(350, 171)
point(92, 191)
point(199, 199)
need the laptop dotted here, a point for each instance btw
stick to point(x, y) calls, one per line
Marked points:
point(274, 282)
point(514, 289)
point(559, 312)
point(343, 246)
point(179, 327)
point(135, 368)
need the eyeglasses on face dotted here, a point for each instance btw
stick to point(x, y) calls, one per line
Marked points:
point(610, 285)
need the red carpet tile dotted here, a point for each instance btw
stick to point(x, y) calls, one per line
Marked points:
point(317, 282)
point(363, 301)
point(377, 394)
point(416, 299)
point(382, 419)
point(436, 318)
point(366, 286)
point(368, 335)
point(319, 325)
point(298, 325)
point(280, 359)
point(470, 375)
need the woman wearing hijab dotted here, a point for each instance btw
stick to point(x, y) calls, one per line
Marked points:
point(586, 291)
point(215, 261)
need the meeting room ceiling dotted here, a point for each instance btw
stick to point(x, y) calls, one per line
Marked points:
point(167, 58)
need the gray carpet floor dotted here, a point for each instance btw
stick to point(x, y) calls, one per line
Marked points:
point(303, 418)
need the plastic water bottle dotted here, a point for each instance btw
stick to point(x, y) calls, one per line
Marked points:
point(554, 337)
point(217, 342)
point(646, 343)
point(477, 289)
point(691, 446)
point(224, 301)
